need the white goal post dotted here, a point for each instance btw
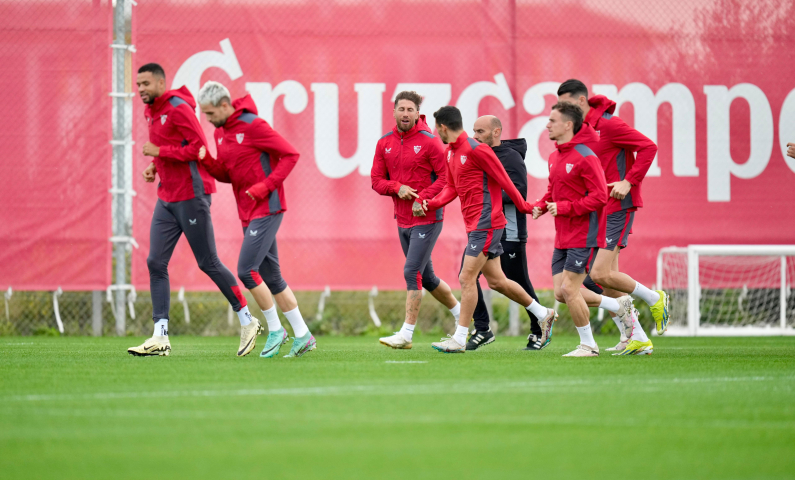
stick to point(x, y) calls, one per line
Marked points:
point(728, 290)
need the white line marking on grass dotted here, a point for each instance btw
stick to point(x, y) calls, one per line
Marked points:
point(539, 386)
point(405, 361)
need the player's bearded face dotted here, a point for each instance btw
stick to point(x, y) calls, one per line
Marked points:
point(215, 115)
point(406, 115)
point(149, 87)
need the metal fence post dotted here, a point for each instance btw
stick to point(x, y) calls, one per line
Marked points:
point(96, 313)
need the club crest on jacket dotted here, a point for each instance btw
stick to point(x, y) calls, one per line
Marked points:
point(463, 159)
point(417, 148)
point(239, 137)
point(569, 166)
point(163, 119)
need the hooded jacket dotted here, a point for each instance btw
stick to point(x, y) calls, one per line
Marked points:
point(174, 128)
point(476, 176)
point(252, 157)
point(414, 158)
point(577, 184)
point(616, 149)
point(511, 154)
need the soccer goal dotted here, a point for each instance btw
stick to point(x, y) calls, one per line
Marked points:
point(729, 290)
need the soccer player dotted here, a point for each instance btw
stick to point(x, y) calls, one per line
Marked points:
point(476, 176)
point(183, 204)
point(408, 164)
point(255, 159)
point(576, 197)
point(616, 149)
point(488, 130)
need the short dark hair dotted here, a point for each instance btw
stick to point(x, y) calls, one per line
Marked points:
point(573, 87)
point(570, 112)
point(409, 95)
point(450, 117)
point(154, 68)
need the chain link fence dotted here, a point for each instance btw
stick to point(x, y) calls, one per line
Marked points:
point(323, 73)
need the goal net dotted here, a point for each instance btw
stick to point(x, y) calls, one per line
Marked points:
point(729, 289)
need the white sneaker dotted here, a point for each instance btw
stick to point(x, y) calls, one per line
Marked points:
point(248, 337)
point(396, 341)
point(546, 326)
point(583, 351)
point(620, 346)
point(627, 321)
point(449, 345)
point(155, 346)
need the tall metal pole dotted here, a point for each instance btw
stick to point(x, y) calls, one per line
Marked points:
point(119, 191)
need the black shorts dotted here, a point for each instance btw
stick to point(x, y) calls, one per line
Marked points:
point(576, 260)
point(486, 241)
point(619, 226)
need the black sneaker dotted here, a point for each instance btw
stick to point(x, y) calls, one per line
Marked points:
point(534, 343)
point(478, 339)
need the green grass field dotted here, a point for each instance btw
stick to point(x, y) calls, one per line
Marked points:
point(698, 408)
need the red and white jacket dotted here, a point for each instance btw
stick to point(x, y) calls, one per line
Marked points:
point(476, 176)
point(252, 157)
point(414, 158)
point(174, 128)
point(616, 149)
point(577, 185)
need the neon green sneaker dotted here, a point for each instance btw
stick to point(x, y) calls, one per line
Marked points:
point(660, 312)
point(636, 347)
point(274, 343)
point(302, 345)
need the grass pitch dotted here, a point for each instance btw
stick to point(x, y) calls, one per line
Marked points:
point(698, 408)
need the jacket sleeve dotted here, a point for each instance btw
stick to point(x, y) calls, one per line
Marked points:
point(268, 140)
point(189, 128)
point(517, 171)
point(630, 139)
point(594, 177)
point(379, 176)
point(216, 169)
point(439, 166)
point(447, 195)
point(490, 164)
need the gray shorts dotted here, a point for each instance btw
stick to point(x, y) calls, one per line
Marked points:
point(576, 260)
point(486, 241)
point(259, 255)
point(417, 243)
point(619, 226)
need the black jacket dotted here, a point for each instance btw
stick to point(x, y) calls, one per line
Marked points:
point(511, 154)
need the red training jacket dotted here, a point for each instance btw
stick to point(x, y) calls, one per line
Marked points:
point(414, 158)
point(615, 149)
point(577, 184)
point(252, 156)
point(174, 128)
point(475, 174)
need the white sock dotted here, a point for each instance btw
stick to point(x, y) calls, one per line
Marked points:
point(407, 331)
point(297, 322)
point(272, 318)
point(460, 334)
point(456, 311)
point(586, 336)
point(244, 316)
point(161, 328)
point(538, 310)
point(620, 325)
point(649, 296)
point(610, 304)
point(637, 331)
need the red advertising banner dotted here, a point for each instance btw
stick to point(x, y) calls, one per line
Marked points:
point(56, 157)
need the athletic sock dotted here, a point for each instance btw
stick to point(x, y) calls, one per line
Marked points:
point(297, 322)
point(407, 331)
point(586, 336)
point(460, 334)
point(610, 304)
point(649, 296)
point(456, 311)
point(619, 324)
point(272, 319)
point(538, 310)
point(637, 331)
point(161, 328)
point(244, 316)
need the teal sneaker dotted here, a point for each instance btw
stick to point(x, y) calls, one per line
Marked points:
point(274, 343)
point(302, 345)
